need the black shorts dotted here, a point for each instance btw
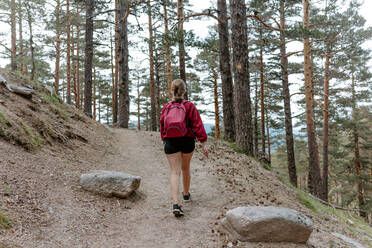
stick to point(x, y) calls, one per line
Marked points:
point(182, 144)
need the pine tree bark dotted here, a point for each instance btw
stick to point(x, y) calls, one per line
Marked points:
point(315, 182)
point(20, 18)
point(116, 81)
point(255, 126)
point(68, 52)
point(123, 107)
point(77, 95)
point(216, 107)
point(181, 44)
point(73, 62)
point(31, 41)
point(243, 115)
point(94, 93)
point(13, 24)
point(88, 57)
point(167, 49)
point(287, 100)
point(58, 48)
point(112, 73)
point(268, 138)
point(157, 89)
point(151, 57)
point(262, 96)
point(226, 77)
point(138, 107)
point(361, 199)
point(325, 127)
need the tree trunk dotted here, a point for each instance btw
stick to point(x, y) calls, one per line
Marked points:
point(116, 81)
point(315, 182)
point(77, 96)
point(287, 101)
point(73, 64)
point(325, 128)
point(181, 44)
point(157, 89)
point(138, 108)
point(216, 107)
point(68, 51)
point(255, 127)
point(112, 74)
point(58, 49)
point(94, 93)
point(20, 18)
point(13, 24)
point(226, 77)
point(268, 137)
point(152, 83)
point(123, 66)
point(88, 57)
point(361, 200)
point(262, 97)
point(243, 115)
point(31, 40)
point(167, 49)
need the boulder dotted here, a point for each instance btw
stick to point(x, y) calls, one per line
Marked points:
point(348, 240)
point(110, 183)
point(267, 224)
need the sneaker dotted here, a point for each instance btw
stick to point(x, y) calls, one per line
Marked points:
point(186, 198)
point(177, 211)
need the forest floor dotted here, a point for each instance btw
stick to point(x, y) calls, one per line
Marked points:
point(42, 197)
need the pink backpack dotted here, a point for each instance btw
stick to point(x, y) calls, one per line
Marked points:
point(175, 120)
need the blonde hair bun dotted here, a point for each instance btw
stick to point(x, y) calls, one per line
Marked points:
point(178, 89)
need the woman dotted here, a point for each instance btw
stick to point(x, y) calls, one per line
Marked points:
point(180, 125)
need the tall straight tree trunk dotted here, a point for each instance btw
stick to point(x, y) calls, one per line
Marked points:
point(116, 81)
point(255, 126)
point(94, 93)
point(243, 123)
point(361, 200)
point(157, 89)
point(20, 18)
point(58, 48)
point(315, 182)
point(138, 107)
point(77, 96)
point(167, 49)
point(123, 66)
point(31, 41)
point(73, 62)
point(216, 107)
point(13, 24)
point(325, 127)
point(112, 73)
point(68, 51)
point(151, 57)
point(226, 77)
point(262, 96)
point(181, 44)
point(88, 57)
point(287, 101)
point(268, 137)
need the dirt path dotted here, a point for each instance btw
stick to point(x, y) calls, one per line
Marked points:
point(67, 216)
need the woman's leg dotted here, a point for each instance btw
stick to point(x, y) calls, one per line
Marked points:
point(186, 159)
point(175, 161)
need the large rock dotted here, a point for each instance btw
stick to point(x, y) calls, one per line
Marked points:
point(110, 183)
point(267, 224)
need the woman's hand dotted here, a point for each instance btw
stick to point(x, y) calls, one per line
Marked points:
point(205, 150)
